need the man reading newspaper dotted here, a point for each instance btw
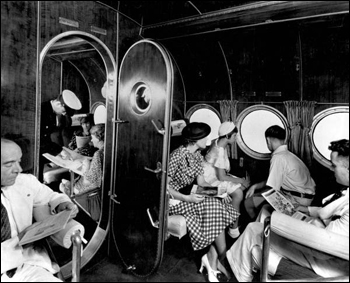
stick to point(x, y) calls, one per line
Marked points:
point(281, 204)
point(287, 174)
point(245, 254)
point(20, 194)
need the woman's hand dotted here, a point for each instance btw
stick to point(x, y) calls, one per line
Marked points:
point(227, 200)
point(85, 165)
point(250, 192)
point(65, 155)
point(245, 182)
point(195, 198)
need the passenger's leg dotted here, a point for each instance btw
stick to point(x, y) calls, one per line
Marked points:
point(253, 205)
point(209, 261)
point(240, 255)
point(31, 273)
point(237, 197)
point(220, 244)
point(221, 249)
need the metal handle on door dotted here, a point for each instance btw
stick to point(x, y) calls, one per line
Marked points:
point(157, 170)
point(119, 121)
point(154, 223)
point(161, 131)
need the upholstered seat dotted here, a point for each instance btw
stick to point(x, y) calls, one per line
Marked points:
point(177, 226)
point(72, 234)
point(305, 234)
point(54, 173)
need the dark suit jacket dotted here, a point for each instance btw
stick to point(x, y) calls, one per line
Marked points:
point(48, 127)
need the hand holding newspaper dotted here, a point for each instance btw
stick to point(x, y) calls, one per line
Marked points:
point(281, 204)
point(44, 228)
point(76, 165)
point(207, 191)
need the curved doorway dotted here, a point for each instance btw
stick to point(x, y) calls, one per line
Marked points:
point(87, 57)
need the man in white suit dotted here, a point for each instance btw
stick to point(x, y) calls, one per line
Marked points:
point(20, 193)
point(245, 254)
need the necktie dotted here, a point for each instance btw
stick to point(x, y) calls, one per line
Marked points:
point(336, 195)
point(5, 224)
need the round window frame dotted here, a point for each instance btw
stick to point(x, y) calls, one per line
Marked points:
point(94, 107)
point(240, 141)
point(317, 155)
point(201, 106)
point(133, 98)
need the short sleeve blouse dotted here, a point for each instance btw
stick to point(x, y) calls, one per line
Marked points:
point(218, 157)
point(184, 167)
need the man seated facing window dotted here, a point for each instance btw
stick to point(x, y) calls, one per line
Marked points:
point(245, 254)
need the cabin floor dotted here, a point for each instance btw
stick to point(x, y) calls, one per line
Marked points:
point(179, 264)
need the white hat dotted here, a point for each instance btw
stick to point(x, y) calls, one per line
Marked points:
point(71, 100)
point(226, 128)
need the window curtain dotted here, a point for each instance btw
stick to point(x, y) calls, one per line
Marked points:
point(228, 111)
point(300, 115)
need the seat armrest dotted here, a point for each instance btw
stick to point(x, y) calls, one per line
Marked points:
point(310, 235)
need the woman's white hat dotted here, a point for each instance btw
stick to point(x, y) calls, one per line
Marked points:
point(226, 128)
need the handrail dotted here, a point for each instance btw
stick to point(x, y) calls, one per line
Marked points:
point(266, 248)
point(77, 253)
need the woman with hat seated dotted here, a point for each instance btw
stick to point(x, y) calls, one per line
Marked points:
point(217, 168)
point(206, 217)
point(93, 170)
point(81, 140)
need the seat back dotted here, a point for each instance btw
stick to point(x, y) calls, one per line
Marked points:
point(299, 231)
point(305, 234)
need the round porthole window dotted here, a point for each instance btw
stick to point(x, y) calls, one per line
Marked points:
point(329, 125)
point(140, 98)
point(206, 114)
point(100, 113)
point(252, 124)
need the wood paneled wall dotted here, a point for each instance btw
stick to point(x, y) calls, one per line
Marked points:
point(18, 74)
point(24, 35)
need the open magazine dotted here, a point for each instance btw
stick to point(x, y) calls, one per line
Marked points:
point(44, 228)
point(76, 165)
point(207, 191)
point(281, 204)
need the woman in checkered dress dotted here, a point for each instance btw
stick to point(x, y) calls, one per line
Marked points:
point(206, 217)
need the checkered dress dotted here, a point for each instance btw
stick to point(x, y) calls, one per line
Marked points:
point(204, 220)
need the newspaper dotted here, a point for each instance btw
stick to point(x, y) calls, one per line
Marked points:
point(280, 203)
point(207, 191)
point(75, 165)
point(44, 228)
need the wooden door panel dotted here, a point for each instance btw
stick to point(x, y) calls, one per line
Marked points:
point(145, 89)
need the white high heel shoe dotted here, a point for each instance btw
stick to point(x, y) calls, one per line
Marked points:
point(212, 274)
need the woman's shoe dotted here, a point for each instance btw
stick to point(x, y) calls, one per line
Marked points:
point(212, 274)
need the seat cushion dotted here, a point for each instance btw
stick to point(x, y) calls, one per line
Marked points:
point(54, 174)
point(177, 226)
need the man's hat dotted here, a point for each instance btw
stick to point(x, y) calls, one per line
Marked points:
point(195, 131)
point(71, 100)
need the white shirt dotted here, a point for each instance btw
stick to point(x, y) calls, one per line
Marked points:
point(19, 200)
point(289, 172)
